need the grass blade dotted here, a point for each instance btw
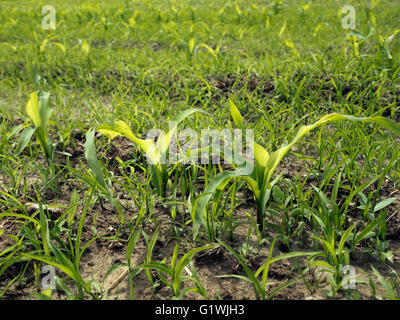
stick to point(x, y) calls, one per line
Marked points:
point(251, 276)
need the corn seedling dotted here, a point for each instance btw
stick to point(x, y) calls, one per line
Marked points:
point(39, 111)
point(155, 152)
point(259, 180)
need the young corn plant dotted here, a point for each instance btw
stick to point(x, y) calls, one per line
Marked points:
point(259, 179)
point(156, 152)
point(39, 111)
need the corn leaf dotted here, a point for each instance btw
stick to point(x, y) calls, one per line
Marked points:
point(85, 47)
point(320, 263)
point(120, 128)
point(210, 50)
point(261, 155)
point(282, 29)
point(191, 45)
point(65, 265)
point(44, 111)
point(164, 140)
point(38, 109)
point(291, 45)
point(154, 152)
point(329, 247)
point(131, 246)
point(32, 108)
point(60, 46)
point(157, 266)
point(253, 186)
point(277, 156)
point(236, 116)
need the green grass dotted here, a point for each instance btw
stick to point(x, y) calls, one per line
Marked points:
point(283, 64)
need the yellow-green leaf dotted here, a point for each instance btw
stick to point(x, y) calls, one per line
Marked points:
point(32, 108)
point(47, 292)
point(238, 10)
point(261, 155)
point(236, 116)
point(85, 47)
point(317, 28)
point(277, 156)
point(132, 22)
point(267, 23)
point(210, 50)
point(320, 263)
point(59, 45)
point(282, 29)
point(191, 45)
point(291, 45)
point(354, 42)
point(164, 140)
point(43, 45)
point(120, 128)
point(9, 45)
point(372, 18)
point(253, 186)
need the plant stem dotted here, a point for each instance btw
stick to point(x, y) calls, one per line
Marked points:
point(261, 219)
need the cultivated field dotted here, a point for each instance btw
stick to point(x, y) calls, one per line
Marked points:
point(199, 149)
